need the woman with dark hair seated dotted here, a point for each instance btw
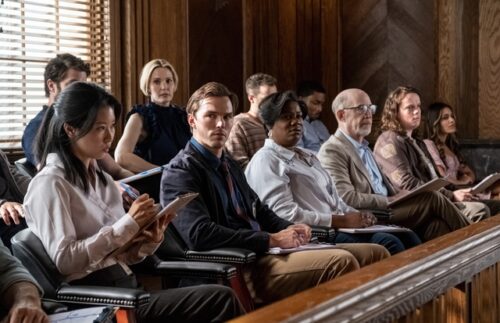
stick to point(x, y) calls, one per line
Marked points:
point(76, 211)
point(292, 182)
point(442, 145)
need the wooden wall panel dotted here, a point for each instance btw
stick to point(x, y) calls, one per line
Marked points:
point(130, 39)
point(489, 69)
point(386, 44)
point(215, 43)
point(484, 296)
point(457, 61)
point(168, 40)
point(330, 58)
point(294, 40)
point(446, 50)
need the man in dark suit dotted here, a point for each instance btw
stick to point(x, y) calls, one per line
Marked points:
point(227, 213)
point(361, 184)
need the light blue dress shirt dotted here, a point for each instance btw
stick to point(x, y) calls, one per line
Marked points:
point(368, 160)
point(315, 134)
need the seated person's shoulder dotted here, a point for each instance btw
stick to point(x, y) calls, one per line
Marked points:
point(243, 121)
point(144, 111)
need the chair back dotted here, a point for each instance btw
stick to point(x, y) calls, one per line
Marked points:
point(173, 246)
point(30, 251)
point(25, 167)
point(150, 185)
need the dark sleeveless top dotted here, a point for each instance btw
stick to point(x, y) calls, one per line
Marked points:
point(167, 132)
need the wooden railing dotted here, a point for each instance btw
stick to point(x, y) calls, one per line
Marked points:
point(454, 278)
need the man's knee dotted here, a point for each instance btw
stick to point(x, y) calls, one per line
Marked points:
point(392, 243)
point(341, 262)
point(366, 253)
point(225, 299)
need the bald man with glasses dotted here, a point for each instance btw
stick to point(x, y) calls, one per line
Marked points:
point(361, 184)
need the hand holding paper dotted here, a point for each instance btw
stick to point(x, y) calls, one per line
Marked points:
point(143, 209)
point(154, 232)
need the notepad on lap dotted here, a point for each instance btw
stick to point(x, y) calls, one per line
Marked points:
point(306, 247)
point(171, 208)
point(431, 186)
point(485, 183)
point(374, 229)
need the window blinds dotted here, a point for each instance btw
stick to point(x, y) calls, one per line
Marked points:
point(33, 32)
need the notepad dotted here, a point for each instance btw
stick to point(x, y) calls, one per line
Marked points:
point(485, 183)
point(171, 208)
point(374, 229)
point(431, 186)
point(84, 315)
point(306, 247)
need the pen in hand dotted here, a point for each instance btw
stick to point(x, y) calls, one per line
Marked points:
point(129, 191)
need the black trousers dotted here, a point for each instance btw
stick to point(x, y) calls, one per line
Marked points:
point(203, 303)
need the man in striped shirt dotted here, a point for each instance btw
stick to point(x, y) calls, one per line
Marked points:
point(249, 133)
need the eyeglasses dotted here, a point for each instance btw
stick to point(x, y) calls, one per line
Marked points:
point(363, 108)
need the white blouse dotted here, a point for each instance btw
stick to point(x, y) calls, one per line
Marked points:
point(294, 185)
point(80, 229)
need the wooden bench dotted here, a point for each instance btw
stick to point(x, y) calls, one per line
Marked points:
point(454, 278)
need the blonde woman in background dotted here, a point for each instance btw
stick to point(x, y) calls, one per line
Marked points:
point(155, 131)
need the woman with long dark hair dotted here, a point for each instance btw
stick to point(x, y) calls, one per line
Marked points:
point(442, 144)
point(76, 211)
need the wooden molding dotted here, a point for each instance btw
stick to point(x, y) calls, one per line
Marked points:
point(395, 286)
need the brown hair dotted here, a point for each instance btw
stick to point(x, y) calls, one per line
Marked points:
point(211, 89)
point(255, 81)
point(390, 113)
point(58, 67)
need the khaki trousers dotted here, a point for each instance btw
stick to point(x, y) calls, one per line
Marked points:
point(274, 277)
point(474, 211)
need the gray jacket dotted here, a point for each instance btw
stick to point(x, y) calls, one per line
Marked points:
point(17, 182)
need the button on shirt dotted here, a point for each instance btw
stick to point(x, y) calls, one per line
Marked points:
point(368, 160)
point(294, 185)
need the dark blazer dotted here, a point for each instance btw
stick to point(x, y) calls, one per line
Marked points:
point(17, 182)
point(203, 222)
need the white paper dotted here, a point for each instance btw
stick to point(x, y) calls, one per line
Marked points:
point(485, 183)
point(374, 229)
point(84, 315)
point(309, 246)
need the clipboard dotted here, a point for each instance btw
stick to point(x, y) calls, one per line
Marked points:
point(171, 208)
point(431, 186)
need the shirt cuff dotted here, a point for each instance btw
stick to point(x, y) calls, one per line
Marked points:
point(125, 228)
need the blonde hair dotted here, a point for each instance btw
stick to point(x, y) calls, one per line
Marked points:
point(148, 69)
